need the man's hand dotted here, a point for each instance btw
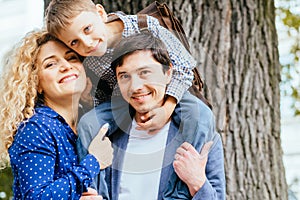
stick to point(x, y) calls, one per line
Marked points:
point(91, 194)
point(86, 97)
point(101, 148)
point(155, 119)
point(189, 165)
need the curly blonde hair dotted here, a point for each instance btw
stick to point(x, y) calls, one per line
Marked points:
point(18, 87)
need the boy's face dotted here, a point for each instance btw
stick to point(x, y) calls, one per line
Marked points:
point(142, 81)
point(87, 34)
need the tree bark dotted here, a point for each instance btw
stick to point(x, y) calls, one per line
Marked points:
point(235, 43)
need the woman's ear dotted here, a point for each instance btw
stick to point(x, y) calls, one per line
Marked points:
point(102, 12)
point(40, 89)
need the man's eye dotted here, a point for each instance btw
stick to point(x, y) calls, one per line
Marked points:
point(124, 76)
point(144, 72)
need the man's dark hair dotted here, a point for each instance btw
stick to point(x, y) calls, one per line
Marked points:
point(141, 41)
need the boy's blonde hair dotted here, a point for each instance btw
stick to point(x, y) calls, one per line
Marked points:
point(60, 13)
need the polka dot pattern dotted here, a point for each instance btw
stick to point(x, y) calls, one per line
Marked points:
point(44, 160)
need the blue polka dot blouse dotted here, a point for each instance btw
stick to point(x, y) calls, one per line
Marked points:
point(44, 162)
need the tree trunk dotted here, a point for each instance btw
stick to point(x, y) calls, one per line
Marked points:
point(235, 43)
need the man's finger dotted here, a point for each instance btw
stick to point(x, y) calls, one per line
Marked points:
point(205, 149)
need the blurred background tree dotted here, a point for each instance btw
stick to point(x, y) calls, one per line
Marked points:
point(288, 21)
point(244, 181)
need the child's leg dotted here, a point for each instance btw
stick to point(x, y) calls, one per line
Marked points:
point(88, 127)
point(91, 122)
point(122, 113)
point(193, 116)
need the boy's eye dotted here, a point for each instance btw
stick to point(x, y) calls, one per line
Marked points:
point(74, 42)
point(87, 29)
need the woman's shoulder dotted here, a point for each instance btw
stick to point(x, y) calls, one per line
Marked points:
point(40, 123)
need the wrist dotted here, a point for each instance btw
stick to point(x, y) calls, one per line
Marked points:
point(170, 103)
point(195, 187)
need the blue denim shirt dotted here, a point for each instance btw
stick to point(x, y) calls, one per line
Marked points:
point(171, 187)
point(44, 160)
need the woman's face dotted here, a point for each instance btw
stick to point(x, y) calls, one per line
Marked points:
point(61, 73)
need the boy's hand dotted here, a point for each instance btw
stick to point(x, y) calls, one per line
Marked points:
point(91, 194)
point(101, 148)
point(86, 96)
point(190, 165)
point(155, 119)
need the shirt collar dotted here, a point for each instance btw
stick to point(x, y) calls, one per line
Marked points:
point(45, 110)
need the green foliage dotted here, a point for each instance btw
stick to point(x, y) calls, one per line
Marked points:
point(6, 181)
point(288, 13)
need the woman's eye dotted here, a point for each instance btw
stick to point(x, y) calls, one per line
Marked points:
point(50, 64)
point(73, 57)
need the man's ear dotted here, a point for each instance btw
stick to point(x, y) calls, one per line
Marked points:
point(102, 12)
point(169, 73)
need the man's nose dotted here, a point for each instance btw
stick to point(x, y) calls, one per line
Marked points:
point(136, 83)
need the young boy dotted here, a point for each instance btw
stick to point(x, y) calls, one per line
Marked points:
point(87, 29)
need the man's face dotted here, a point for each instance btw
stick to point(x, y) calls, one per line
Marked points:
point(142, 81)
point(87, 34)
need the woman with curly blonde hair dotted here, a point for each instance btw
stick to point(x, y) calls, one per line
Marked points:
point(41, 84)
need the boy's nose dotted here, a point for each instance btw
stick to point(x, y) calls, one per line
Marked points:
point(87, 41)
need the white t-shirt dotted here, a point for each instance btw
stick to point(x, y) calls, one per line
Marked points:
point(142, 164)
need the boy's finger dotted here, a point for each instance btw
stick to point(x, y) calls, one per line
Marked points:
point(147, 116)
point(145, 125)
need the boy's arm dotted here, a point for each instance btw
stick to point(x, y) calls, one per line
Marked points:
point(182, 61)
point(182, 78)
point(157, 118)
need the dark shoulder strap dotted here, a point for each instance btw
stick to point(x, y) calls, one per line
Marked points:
point(142, 22)
point(113, 16)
